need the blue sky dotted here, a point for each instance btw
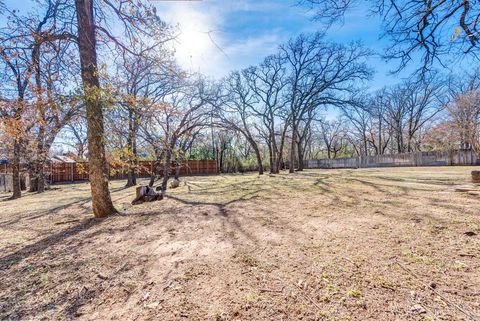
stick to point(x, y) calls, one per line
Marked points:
point(217, 36)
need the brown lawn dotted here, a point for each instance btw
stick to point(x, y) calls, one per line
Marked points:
point(376, 244)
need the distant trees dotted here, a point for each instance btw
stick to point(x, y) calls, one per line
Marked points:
point(329, 139)
point(321, 74)
point(395, 119)
point(460, 124)
point(237, 112)
point(277, 101)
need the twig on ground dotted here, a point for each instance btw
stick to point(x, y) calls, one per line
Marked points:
point(307, 297)
point(66, 222)
point(469, 314)
point(273, 290)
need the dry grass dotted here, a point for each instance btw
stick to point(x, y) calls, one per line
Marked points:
point(316, 245)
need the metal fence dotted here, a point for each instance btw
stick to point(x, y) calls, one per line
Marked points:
point(436, 158)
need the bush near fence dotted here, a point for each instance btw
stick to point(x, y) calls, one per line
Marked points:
point(434, 158)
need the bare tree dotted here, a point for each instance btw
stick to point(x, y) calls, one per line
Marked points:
point(141, 80)
point(144, 23)
point(360, 126)
point(174, 119)
point(98, 170)
point(237, 111)
point(380, 133)
point(320, 74)
point(74, 135)
point(434, 29)
point(333, 136)
point(268, 83)
point(463, 113)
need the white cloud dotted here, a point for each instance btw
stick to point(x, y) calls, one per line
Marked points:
point(206, 44)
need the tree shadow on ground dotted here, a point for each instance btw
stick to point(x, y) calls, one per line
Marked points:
point(223, 210)
point(9, 260)
point(81, 202)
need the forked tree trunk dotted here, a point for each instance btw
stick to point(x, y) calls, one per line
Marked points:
point(166, 171)
point(154, 172)
point(101, 201)
point(41, 176)
point(37, 181)
point(131, 176)
point(274, 153)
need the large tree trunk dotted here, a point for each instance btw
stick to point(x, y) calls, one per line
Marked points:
point(280, 162)
point(166, 171)
point(40, 176)
point(221, 165)
point(291, 166)
point(101, 201)
point(17, 192)
point(274, 162)
point(132, 165)
point(131, 176)
point(177, 169)
point(39, 179)
point(300, 156)
point(154, 172)
point(32, 176)
point(271, 158)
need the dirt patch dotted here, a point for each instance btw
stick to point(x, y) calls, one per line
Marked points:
point(376, 244)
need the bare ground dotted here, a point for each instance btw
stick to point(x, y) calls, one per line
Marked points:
point(378, 244)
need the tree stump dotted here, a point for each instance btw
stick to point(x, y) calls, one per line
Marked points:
point(146, 194)
point(175, 183)
point(476, 176)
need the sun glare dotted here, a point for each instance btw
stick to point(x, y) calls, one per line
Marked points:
point(193, 42)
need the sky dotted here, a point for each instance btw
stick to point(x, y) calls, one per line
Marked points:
point(219, 36)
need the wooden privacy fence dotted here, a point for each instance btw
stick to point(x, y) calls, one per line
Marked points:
point(69, 172)
point(436, 158)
